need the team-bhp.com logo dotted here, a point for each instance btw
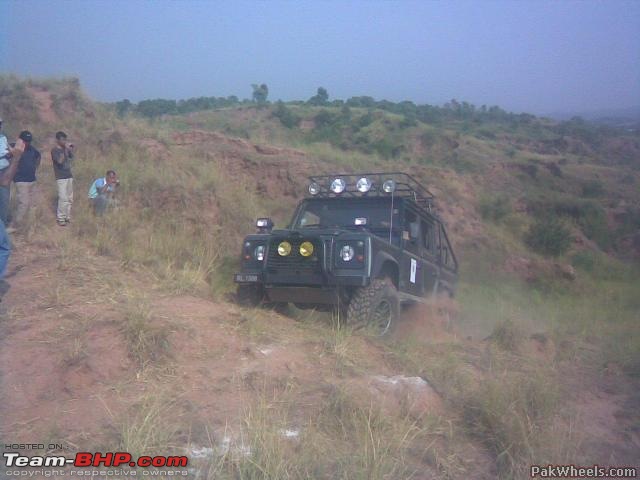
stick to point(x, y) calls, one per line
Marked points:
point(86, 459)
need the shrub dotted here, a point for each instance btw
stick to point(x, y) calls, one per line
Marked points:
point(324, 119)
point(549, 236)
point(287, 118)
point(530, 169)
point(507, 335)
point(495, 208)
point(590, 217)
point(584, 260)
point(592, 188)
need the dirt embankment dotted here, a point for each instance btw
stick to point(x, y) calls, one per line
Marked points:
point(95, 345)
point(94, 342)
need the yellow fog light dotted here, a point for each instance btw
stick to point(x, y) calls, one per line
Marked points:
point(306, 249)
point(284, 249)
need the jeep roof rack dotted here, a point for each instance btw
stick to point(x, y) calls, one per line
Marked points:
point(405, 186)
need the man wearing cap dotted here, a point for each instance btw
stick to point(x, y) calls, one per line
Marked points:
point(62, 157)
point(25, 177)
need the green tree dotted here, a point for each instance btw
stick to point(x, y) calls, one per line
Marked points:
point(123, 106)
point(260, 93)
point(320, 98)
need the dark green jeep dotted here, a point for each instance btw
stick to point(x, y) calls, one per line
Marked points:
point(360, 244)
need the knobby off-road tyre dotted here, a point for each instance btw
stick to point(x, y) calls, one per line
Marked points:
point(253, 296)
point(249, 295)
point(375, 307)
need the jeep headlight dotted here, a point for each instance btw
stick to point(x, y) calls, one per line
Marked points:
point(306, 249)
point(338, 186)
point(346, 253)
point(364, 185)
point(314, 188)
point(389, 186)
point(284, 249)
point(258, 253)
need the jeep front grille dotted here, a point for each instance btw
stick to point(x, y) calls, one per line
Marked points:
point(297, 268)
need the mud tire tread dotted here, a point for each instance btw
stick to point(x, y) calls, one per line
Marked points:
point(364, 301)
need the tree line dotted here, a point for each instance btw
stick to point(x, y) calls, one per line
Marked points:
point(412, 113)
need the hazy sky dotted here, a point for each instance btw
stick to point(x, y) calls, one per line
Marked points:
point(534, 56)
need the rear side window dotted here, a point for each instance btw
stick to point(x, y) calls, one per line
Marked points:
point(412, 244)
point(446, 257)
point(428, 237)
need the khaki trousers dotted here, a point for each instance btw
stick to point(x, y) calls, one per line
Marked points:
point(24, 200)
point(65, 199)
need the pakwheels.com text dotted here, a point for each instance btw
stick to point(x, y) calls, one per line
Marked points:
point(572, 471)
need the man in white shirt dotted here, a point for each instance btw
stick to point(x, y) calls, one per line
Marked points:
point(102, 192)
point(5, 156)
point(5, 153)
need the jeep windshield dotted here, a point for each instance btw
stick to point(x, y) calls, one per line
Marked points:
point(343, 212)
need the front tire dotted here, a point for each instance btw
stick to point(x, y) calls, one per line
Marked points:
point(375, 307)
point(249, 295)
point(253, 296)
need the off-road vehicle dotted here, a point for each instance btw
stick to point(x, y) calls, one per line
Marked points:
point(361, 244)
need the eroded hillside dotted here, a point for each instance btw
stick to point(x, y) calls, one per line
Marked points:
point(130, 319)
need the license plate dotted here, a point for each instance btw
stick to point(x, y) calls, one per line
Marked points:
point(246, 277)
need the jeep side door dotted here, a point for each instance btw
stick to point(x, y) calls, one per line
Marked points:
point(447, 260)
point(411, 264)
point(430, 270)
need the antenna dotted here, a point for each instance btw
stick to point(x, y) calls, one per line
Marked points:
point(391, 218)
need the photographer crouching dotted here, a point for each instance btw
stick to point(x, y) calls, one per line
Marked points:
point(102, 193)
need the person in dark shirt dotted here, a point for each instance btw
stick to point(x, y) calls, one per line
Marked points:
point(62, 157)
point(25, 178)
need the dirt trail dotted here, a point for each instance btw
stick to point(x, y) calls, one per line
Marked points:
point(68, 375)
point(67, 372)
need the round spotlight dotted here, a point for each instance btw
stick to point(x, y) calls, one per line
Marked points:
point(338, 185)
point(364, 185)
point(346, 253)
point(258, 253)
point(306, 249)
point(284, 249)
point(314, 188)
point(389, 186)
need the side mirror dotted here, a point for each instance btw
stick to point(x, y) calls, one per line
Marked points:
point(414, 231)
point(264, 225)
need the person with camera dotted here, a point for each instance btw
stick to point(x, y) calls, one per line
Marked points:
point(62, 157)
point(25, 177)
point(103, 192)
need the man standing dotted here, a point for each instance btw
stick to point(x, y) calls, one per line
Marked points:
point(6, 175)
point(25, 178)
point(5, 155)
point(62, 157)
point(102, 192)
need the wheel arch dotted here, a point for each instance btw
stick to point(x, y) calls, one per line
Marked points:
point(386, 266)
